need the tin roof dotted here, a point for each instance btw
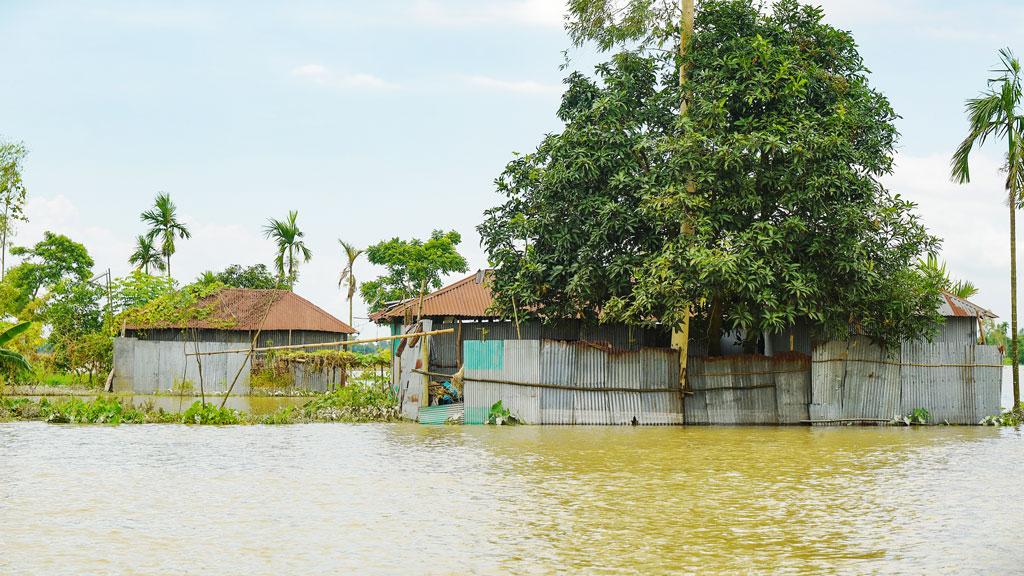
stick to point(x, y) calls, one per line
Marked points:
point(961, 307)
point(252, 309)
point(467, 298)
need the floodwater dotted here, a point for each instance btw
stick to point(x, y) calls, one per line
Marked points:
point(410, 499)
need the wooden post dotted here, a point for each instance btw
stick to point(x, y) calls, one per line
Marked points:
point(425, 357)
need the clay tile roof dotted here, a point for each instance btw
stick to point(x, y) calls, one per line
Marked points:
point(955, 306)
point(467, 298)
point(245, 308)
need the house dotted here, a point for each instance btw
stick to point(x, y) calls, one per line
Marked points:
point(571, 372)
point(153, 357)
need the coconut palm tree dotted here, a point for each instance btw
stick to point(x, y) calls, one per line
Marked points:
point(290, 246)
point(347, 275)
point(146, 255)
point(163, 222)
point(997, 114)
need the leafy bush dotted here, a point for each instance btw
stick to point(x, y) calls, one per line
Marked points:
point(917, 416)
point(499, 415)
point(199, 413)
point(99, 411)
point(1012, 417)
point(357, 402)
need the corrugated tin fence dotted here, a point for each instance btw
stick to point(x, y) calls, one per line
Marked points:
point(545, 381)
point(749, 389)
point(152, 366)
point(858, 381)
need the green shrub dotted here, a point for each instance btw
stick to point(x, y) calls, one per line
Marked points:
point(99, 411)
point(199, 413)
point(357, 402)
point(499, 415)
point(1012, 417)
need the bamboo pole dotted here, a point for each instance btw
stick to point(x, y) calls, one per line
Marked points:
point(325, 344)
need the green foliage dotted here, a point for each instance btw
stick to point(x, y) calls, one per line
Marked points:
point(917, 417)
point(285, 415)
point(12, 191)
point(1013, 417)
point(77, 337)
point(291, 248)
point(357, 402)
point(199, 413)
point(146, 255)
point(138, 289)
point(174, 308)
point(763, 206)
point(960, 288)
point(53, 260)
point(348, 276)
point(11, 362)
point(163, 223)
point(256, 276)
point(412, 266)
point(498, 415)
point(99, 411)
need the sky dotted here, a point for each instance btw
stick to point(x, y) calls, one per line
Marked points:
point(392, 118)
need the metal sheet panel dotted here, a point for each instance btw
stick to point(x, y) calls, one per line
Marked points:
point(828, 373)
point(792, 387)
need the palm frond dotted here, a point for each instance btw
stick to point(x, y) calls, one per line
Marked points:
point(13, 332)
point(11, 359)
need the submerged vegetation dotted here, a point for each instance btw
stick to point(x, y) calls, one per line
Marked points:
point(359, 402)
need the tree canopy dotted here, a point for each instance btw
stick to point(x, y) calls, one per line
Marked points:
point(236, 276)
point(413, 266)
point(774, 172)
point(54, 259)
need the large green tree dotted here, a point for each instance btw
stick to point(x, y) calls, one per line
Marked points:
point(163, 223)
point(773, 173)
point(999, 113)
point(413, 267)
point(12, 196)
point(290, 246)
point(54, 259)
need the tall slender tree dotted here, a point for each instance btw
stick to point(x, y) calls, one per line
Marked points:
point(997, 113)
point(146, 255)
point(291, 249)
point(348, 277)
point(12, 196)
point(163, 223)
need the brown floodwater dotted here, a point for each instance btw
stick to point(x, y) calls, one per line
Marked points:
point(410, 499)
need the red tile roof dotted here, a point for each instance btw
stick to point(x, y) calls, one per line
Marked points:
point(251, 309)
point(467, 298)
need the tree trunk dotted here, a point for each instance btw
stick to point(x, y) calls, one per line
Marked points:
point(681, 334)
point(350, 310)
point(3, 242)
point(715, 327)
point(1013, 298)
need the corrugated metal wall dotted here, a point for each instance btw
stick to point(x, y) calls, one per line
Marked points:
point(563, 382)
point(748, 389)
point(853, 380)
point(153, 366)
point(243, 337)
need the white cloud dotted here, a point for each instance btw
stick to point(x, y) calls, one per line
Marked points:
point(971, 219)
point(514, 86)
point(58, 214)
point(964, 22)
point(324, 76)
point(542, 13)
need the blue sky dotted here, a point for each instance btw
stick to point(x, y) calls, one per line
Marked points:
point(381, 119)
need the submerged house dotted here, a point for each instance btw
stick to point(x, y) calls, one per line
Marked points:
point(154, 357)
point(571, 372)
